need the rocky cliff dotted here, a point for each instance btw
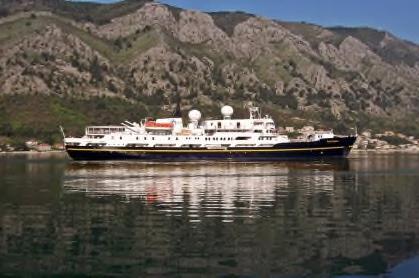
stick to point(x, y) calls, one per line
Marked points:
point(148, 55)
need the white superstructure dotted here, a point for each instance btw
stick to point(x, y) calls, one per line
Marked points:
point(256, 131)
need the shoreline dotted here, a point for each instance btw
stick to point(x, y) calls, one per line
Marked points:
point(386, 151)
point(353, 151)
point(33, 152)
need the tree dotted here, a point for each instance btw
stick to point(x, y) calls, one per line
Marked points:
point(96, 70)
point(6, 129)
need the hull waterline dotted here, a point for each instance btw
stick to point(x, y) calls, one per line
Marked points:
point(335, 147)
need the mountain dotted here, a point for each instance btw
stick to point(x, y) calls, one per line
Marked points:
point(78, 63)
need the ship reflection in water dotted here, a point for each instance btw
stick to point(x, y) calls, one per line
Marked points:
point(201, 189)
point(341, 218)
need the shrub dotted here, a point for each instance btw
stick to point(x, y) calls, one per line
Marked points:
point(395, 140)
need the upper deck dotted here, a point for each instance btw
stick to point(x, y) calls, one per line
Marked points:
point(170, 132)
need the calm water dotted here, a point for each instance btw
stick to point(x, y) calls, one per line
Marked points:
point(347, 218)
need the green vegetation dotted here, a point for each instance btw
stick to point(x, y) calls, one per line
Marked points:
point(25, 117)
point(294, 135)
point(395, 140)
point(408, 125)
point(140, 42)
point(227, 21)
point(77, 10)
point(395, 51)
point(130, 47)
point(310, 32)
point(367, 35)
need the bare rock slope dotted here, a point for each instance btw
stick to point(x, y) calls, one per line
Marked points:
point(148, 53)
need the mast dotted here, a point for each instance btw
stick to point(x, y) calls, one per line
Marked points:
point(177, 113)
point(254, 112)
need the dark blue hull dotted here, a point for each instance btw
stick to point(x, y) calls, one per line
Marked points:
point(336, 147)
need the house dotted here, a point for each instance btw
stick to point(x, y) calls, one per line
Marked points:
point(42, 148)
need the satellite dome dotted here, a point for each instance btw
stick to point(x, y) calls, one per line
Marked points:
point(227, 111)
point(194, 115)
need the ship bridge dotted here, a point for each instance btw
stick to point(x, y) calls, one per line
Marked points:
point(255, 123)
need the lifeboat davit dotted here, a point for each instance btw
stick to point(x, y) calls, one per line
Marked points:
point(153, 125)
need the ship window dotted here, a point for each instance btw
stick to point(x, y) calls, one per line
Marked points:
point(177, 138)
point(120, 138)
point(152, 138)
point(219, 124)
point(238, 125)
point(136, 138)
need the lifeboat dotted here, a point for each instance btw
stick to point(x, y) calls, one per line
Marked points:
point(153, 125)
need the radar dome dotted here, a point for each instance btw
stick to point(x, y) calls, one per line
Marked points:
point(227, 111)
point(194, 115)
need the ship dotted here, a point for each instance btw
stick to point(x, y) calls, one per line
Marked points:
point(255, 138)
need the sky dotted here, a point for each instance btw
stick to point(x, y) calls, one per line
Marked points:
point(400, 17)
